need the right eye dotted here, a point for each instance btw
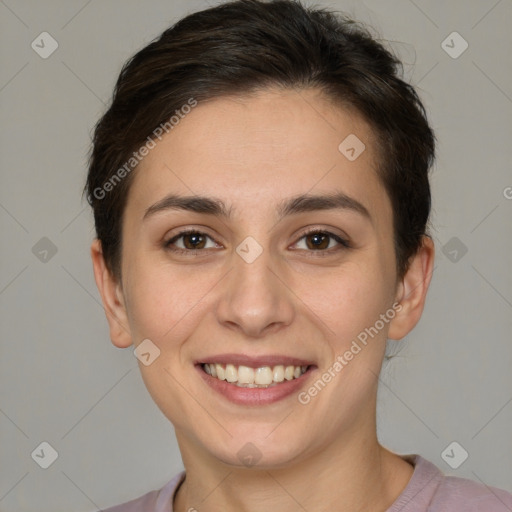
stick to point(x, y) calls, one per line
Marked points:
point(189, 240)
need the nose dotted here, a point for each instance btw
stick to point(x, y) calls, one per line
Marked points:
point(255, 299)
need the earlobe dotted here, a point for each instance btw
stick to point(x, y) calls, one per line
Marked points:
point(412, 290)
point(112, 298)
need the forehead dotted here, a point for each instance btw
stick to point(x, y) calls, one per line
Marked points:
point(255, 149)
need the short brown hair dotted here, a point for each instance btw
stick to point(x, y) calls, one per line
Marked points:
point(246, 45)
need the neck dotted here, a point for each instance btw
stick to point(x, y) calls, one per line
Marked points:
point(351, 474)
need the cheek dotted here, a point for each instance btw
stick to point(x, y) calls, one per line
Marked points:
point(165, 301)
point(346, 298)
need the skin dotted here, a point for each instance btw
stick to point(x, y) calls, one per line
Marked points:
point(253, 152)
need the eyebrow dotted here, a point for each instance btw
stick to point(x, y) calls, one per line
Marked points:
point(294, 205)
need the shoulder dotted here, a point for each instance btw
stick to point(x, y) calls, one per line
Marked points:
point(429, 490)
point(472, 496)
point(154, 501)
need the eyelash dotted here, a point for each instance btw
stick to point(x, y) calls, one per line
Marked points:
point(344, 244)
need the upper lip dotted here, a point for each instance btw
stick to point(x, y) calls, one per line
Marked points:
point(254, 361)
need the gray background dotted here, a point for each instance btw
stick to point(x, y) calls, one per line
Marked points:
point(63, 382)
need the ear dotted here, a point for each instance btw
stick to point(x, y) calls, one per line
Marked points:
point(112, 298)
point(412, 291)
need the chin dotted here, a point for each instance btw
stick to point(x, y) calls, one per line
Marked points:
point(256, 452)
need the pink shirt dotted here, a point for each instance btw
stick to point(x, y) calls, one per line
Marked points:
point(428, 490)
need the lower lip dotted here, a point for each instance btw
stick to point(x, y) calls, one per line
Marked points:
point(255, 396)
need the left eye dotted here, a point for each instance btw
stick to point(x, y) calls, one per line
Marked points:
point(321, 240)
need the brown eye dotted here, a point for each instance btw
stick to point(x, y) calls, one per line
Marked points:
point(194, 241)
point(317, 240)
point(189, 241)
point(322, 242)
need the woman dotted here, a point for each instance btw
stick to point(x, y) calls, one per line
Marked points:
point(261, 198)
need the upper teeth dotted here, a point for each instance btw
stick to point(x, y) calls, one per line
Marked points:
point(246, 376)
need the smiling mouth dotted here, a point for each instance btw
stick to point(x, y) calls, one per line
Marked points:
point(261, 377)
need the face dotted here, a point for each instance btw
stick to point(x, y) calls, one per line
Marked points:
point(265, 277)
